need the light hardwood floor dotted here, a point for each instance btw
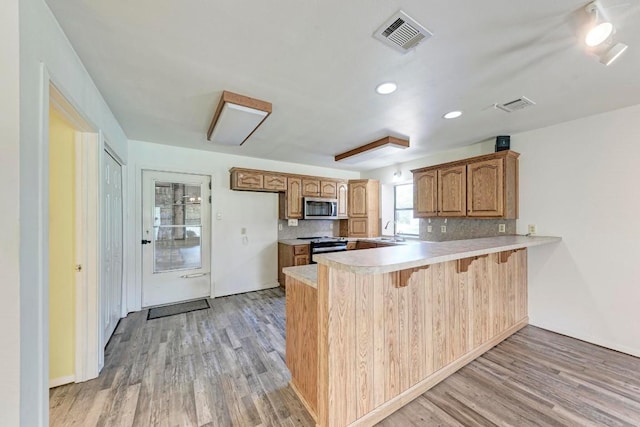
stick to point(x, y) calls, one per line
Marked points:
point(225, 366)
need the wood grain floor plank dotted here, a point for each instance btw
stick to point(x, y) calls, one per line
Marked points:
point(225, 367)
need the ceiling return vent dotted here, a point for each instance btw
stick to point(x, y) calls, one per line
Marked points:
point(401, 32)
point(515, 105)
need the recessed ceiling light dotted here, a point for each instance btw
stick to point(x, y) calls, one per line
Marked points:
point(386, 88)
point(452, 115)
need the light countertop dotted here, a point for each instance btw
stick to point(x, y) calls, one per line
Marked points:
point(400, 257)
point(307, 274)
point(293, 242)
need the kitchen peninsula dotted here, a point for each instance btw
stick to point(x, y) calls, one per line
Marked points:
point(368, 331)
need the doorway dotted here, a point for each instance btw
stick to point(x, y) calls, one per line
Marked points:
point(176, 237)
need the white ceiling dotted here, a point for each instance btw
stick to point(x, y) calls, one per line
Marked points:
point(162, 66)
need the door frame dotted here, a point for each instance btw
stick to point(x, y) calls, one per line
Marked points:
point(89, 144)
point(136, 295)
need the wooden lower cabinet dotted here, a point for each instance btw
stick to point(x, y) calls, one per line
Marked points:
point(360, 244)
point(384, 339)
point(290, 255)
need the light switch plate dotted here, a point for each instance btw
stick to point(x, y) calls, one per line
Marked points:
point(443, 228)
point(532, 229)
point(279, 227)
point(429, 228)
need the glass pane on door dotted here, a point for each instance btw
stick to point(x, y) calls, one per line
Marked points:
point(177, 227)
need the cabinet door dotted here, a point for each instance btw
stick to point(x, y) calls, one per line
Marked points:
point(328, 189)
point(485, 185)
point(301, 260)
point(343, 197)
point(366, 245)
point(275, 182)
point(452, 191)
point(310, 188)
point(352, 245)
point(248, 180)
point(359, 227)
point(294, 198)
point(358, 200)
point(425, 194)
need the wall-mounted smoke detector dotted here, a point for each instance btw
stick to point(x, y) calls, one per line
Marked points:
point(515, 105)
point(402, 32)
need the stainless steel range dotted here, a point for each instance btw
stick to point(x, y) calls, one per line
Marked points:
point(323, 245)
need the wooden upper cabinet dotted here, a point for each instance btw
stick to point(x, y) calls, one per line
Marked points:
point(452, 191)
point(342, 194)
point(357, 199)
point(275, 182)
point(294, 198)
point(328, 189)
point(247, 180)
point(485, 182)
point(479, 187)
point(310, 187)
point(364, 208)
point(425, 194)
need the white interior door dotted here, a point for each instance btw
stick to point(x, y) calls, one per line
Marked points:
point(176, 237)
point(111, 283)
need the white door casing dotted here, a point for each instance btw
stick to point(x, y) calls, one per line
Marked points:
point(175, 241)
point(111, 280)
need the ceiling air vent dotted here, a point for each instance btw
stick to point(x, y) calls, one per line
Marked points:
point(516, 104)
point(401, 32)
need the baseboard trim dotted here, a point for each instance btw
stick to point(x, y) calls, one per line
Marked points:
point(57, 382)
point(389, 407)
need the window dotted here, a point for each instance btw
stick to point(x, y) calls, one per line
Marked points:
point(406, 224)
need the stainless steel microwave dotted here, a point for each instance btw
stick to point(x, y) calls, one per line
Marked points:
point(320, 208)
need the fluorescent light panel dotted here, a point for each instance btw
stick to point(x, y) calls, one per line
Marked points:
point(383, 147)
point(236, 118)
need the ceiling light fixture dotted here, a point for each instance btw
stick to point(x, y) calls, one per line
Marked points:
point(452, 115)
point(237, 118)
point(599, 29)
point(608, 56)
point(386, 88)
point(386, 146)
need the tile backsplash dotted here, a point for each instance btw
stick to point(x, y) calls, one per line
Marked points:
point(309, 228)
point(464, 228)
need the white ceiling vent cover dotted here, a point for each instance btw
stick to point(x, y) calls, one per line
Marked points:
point(401, 32)
point(516, 104)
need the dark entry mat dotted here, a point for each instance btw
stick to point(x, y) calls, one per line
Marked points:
point(171, 310)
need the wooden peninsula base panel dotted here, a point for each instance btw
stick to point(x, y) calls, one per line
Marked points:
point(360, 346)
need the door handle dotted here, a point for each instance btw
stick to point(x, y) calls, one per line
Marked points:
point(145, 242)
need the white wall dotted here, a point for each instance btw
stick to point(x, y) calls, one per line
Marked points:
point(10, 215)
point(41, 41)
point(236, 266)
point(579, 180)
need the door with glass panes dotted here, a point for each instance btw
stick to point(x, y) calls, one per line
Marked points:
point(176, 237)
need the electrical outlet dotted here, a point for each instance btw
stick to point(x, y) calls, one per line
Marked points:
point(293, 223)
point(532, 229)
point(331, 226)
point(429, 228)
point(279, 227)
point(443, 228)
point(502, 228)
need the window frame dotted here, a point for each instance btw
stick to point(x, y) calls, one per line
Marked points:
point(396, 209)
